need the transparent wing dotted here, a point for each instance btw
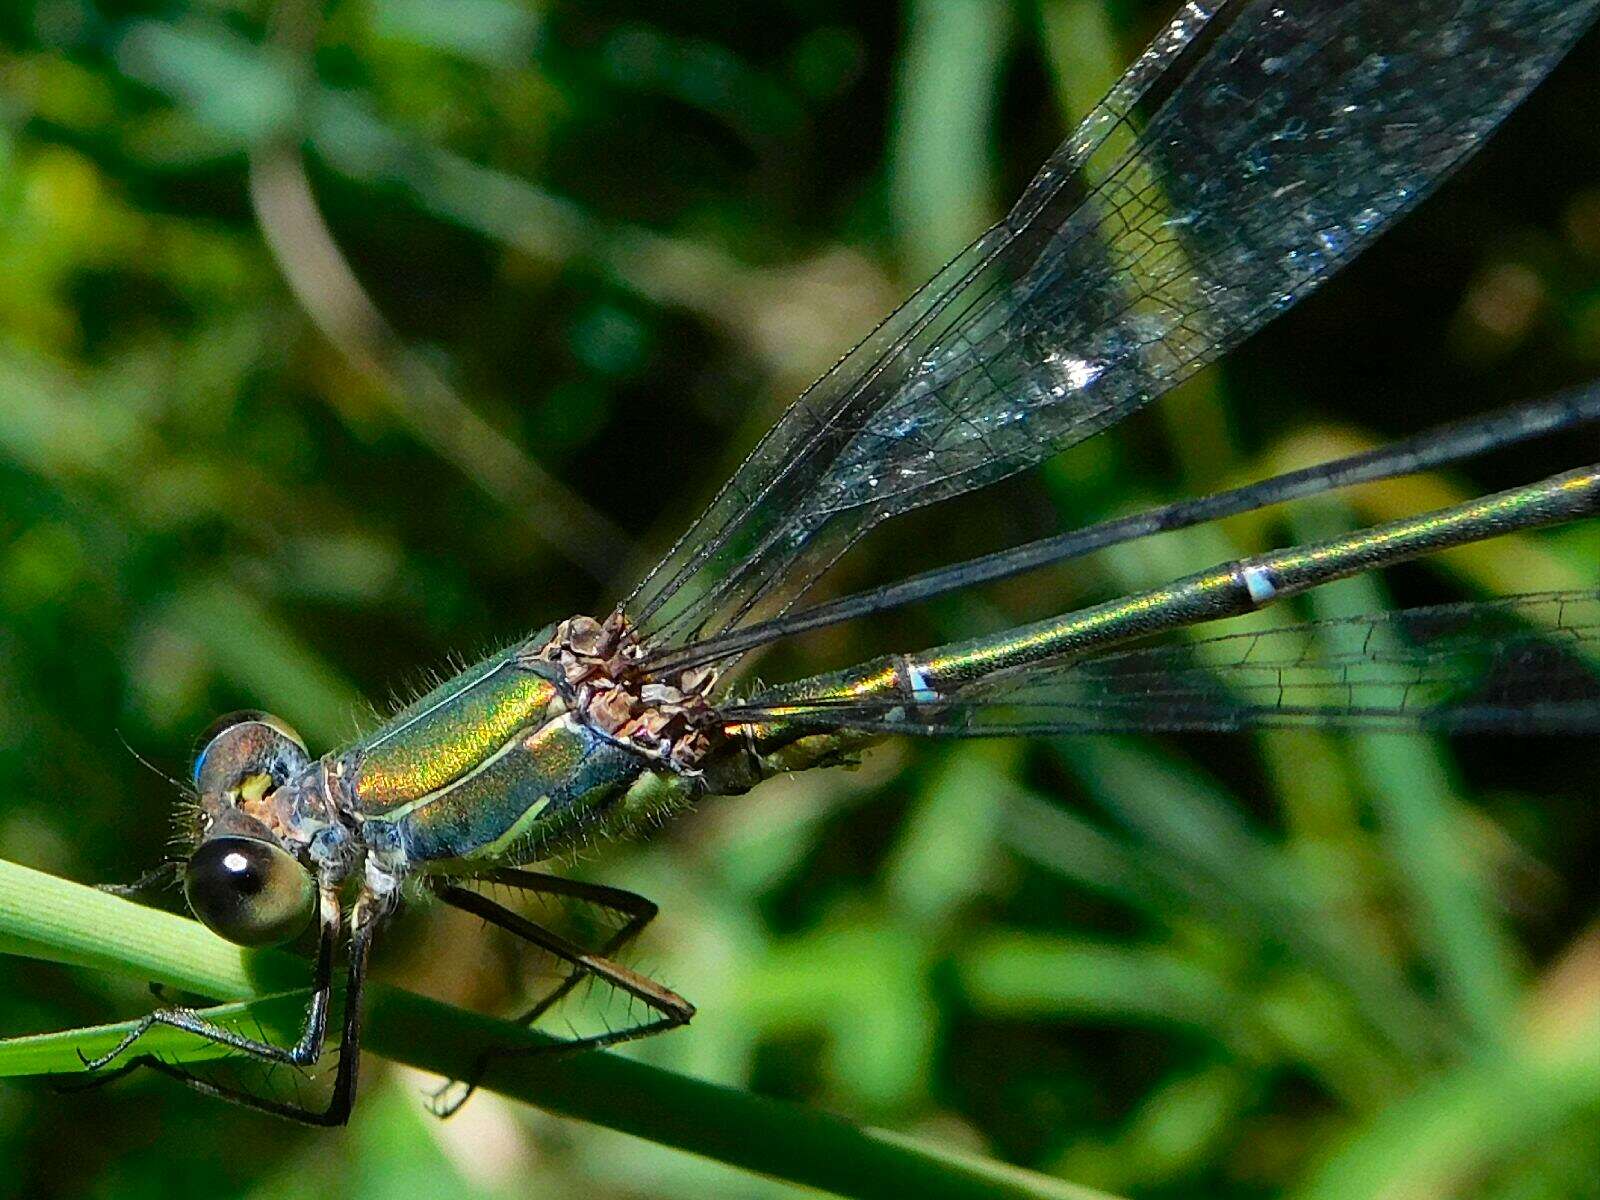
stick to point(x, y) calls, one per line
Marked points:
point(1526, 664)
point(1285, 135)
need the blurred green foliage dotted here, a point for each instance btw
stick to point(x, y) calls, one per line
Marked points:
point(249, 459)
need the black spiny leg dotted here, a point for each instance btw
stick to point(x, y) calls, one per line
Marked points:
point(306, 1050)
point(85, 1081)
point(153, 880)
point(348, 1072)
point(638, 912)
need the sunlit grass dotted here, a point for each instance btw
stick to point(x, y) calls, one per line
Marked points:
point(48, 918)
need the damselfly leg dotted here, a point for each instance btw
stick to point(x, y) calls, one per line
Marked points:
point(636, 912)
point(156, 879)
point(307, 1048)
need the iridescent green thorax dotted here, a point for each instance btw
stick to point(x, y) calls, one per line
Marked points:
point(545, 789)
point(449, 732)
point(531, 752)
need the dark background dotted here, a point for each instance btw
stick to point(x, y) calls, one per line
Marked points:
point(608, 243)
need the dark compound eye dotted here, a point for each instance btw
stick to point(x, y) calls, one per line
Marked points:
point(249, 891)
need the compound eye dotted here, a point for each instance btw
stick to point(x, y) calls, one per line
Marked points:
point(249, 891)
point(245, 744)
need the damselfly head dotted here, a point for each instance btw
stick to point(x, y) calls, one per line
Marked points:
point(244, 745)
point(241, 881)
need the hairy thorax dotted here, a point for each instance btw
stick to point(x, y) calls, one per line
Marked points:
point(669, 718)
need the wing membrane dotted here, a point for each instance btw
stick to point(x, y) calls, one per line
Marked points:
point(1526, 664)
point(1290, 134)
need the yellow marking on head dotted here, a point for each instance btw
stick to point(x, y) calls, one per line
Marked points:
point(253, 787)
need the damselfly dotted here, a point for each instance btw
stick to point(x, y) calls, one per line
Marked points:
point(1248, 154)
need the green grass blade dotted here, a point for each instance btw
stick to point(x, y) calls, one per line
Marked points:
point(948, 88)
point(45, 917)
point(1021, 974)
point(1424, 829)
point(1472, 1120)
point(1245, 879)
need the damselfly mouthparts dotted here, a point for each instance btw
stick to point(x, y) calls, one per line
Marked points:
point(1252, 151)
